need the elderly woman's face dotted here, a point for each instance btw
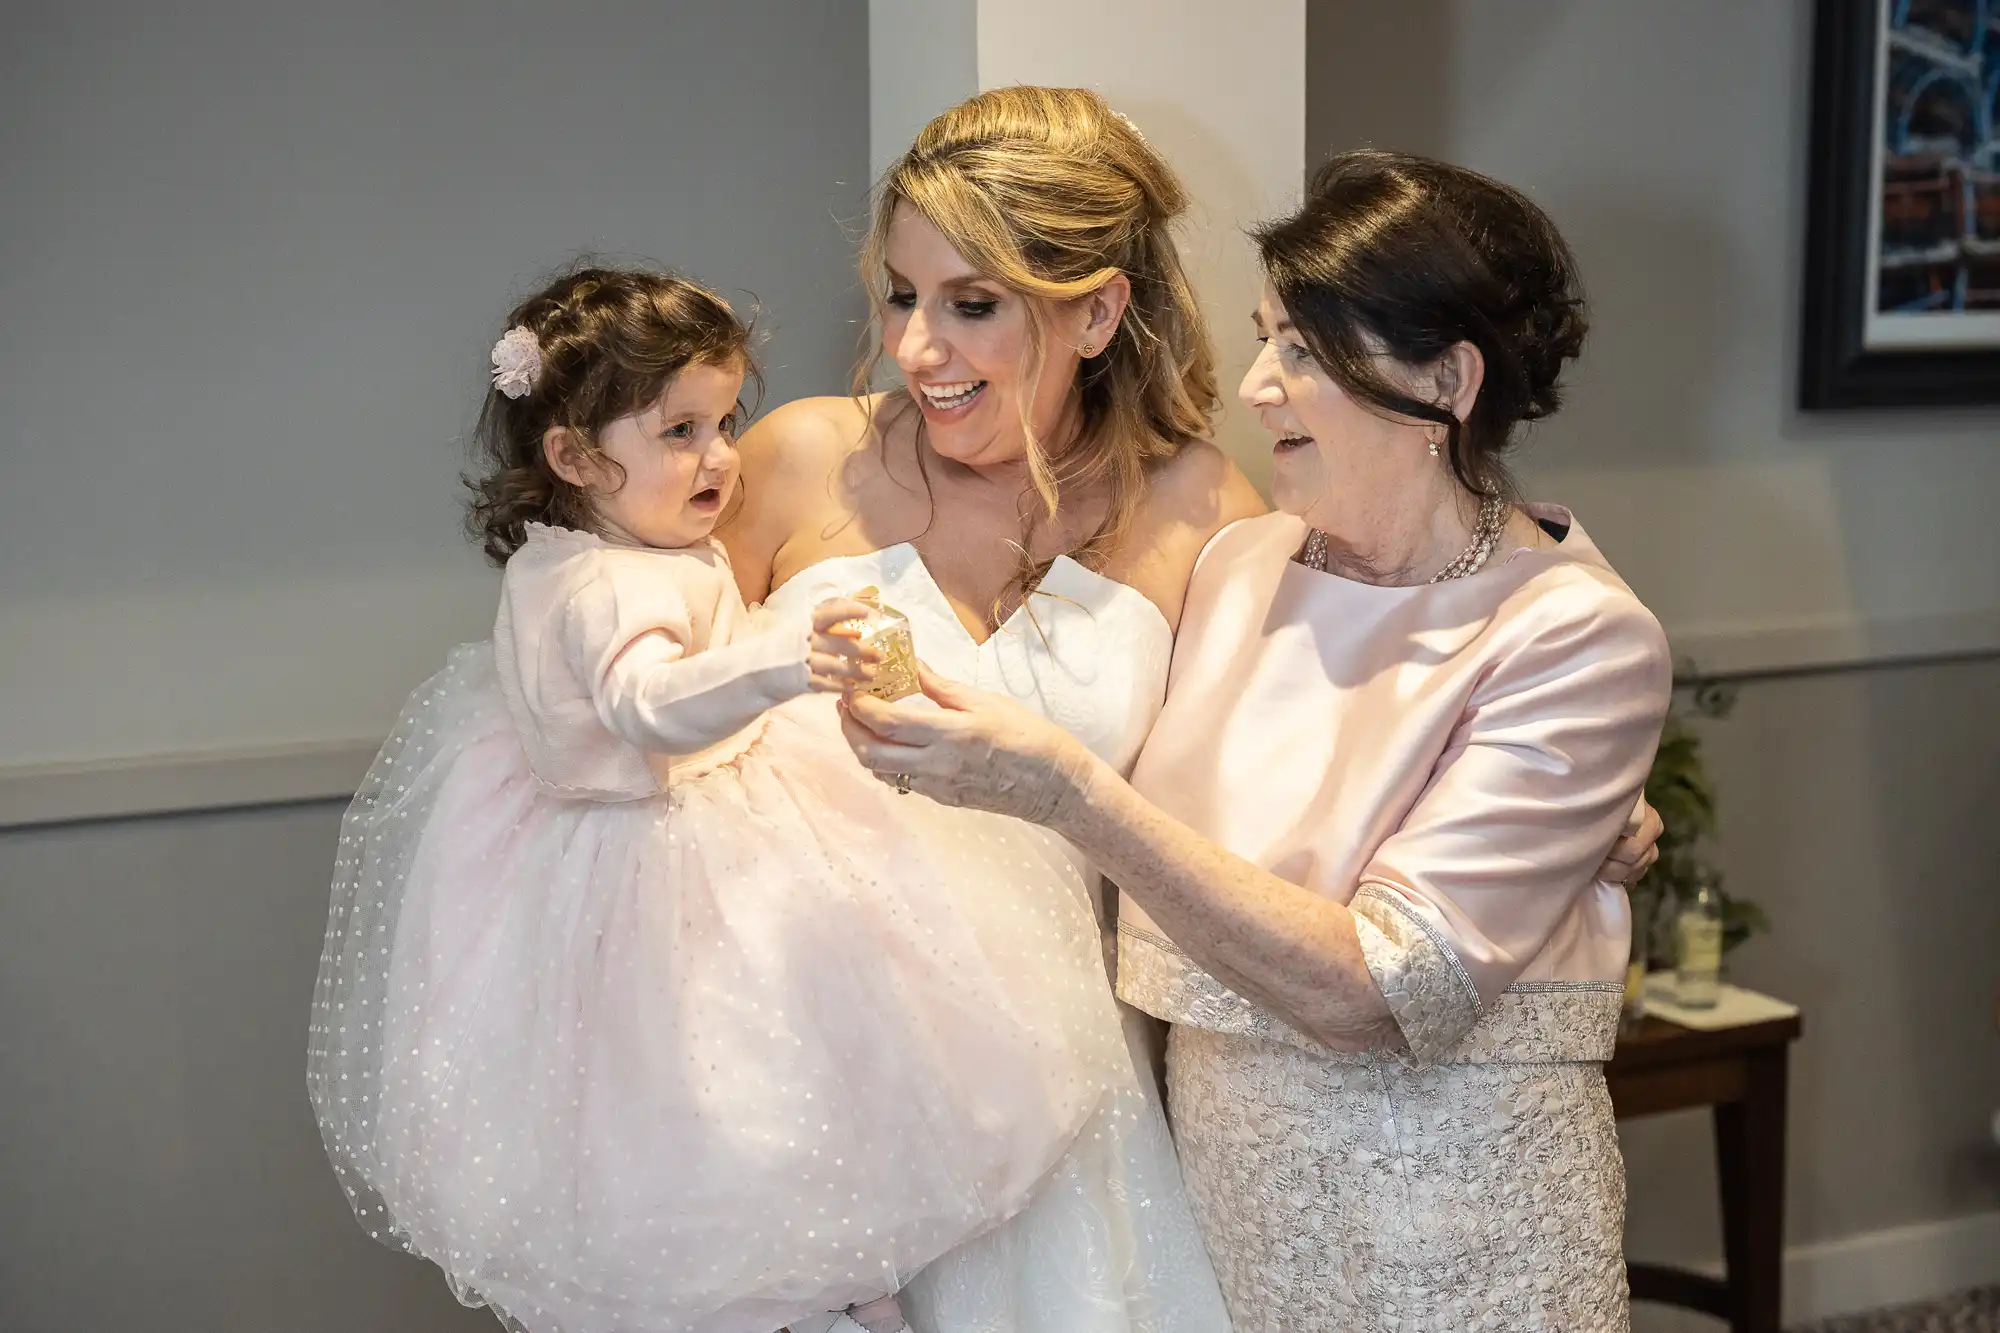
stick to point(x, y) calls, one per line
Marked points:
point(1334, 460)
point(962, 342)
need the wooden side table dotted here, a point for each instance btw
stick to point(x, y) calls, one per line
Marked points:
point(1739, 1073)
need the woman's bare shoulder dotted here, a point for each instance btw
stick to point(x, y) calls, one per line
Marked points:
point(1191, 497)
point(789, 462)
point(807, 436)
point(1202, 490)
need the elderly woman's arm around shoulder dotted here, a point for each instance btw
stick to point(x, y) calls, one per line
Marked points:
point(1537, 780)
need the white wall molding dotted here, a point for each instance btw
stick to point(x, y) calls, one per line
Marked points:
point(1869, 1271)
point(164, 784)
point(1834, 643)
point(1891, 1267)
point(182, 783)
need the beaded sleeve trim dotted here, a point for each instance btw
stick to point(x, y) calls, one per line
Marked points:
point(1427, 987)
point(1542, 1022)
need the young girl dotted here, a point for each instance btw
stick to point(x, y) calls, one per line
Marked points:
point(643, 1007)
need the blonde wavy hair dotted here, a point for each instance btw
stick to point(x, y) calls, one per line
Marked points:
point(1051, 193)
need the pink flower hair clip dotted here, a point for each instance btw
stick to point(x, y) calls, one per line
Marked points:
point(517, 362)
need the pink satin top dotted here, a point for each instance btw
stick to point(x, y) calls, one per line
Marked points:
point(1451, 760)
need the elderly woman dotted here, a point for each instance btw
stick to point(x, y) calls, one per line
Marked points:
point(1360, 850)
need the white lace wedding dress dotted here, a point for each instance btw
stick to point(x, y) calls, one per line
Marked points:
point(1109, 1244)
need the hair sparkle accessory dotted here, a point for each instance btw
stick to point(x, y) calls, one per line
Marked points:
point(517, 362)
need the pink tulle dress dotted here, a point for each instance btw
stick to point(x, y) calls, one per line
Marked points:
point(643, 1006)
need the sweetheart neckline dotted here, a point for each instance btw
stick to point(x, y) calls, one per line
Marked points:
point(916, 558)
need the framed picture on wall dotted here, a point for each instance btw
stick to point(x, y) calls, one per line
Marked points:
point(1902, 281)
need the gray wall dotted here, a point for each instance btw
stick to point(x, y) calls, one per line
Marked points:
point(1858, 808)
point(162, 1167)
point(252, 256)
point(1667, 140)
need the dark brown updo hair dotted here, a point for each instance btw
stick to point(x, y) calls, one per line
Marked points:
point(610, 341)
point(1401, 254)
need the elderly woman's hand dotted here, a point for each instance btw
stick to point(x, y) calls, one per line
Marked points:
point(1636, 849)
point(974, 749)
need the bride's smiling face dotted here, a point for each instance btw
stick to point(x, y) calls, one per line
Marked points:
point(964, 344)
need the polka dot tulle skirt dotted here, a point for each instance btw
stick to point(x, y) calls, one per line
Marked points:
point(764, 1044)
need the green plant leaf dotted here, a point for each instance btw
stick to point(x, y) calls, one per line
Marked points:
point(1741, 919)
point(1679, 788)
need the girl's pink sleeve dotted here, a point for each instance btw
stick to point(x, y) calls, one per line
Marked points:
point(630, 635)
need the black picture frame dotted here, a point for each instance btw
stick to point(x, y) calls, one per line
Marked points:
point(1836, 367)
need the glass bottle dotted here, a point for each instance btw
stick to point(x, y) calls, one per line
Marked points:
point(1644, 903)
point(895, 676)
point(1698, 931)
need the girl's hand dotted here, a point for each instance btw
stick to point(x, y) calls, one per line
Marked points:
point(836, 659)
point(1636, 850)
point(974, 749)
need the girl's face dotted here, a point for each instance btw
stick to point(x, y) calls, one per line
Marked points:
point(1335, 462)
point(963, 343)
point(678, 456)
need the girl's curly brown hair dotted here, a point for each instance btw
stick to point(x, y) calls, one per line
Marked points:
point(610, 341)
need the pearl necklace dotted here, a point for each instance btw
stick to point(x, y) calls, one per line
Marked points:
point(1485, 536)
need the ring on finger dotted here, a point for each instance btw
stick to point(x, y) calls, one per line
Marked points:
point(902, 784)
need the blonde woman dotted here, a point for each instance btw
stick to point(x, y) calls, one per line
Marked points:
point(1034, 496)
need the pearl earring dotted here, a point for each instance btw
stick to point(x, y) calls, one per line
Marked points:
point(1435, 443)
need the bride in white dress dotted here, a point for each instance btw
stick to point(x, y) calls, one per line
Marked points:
point(1109, 1244)
point(1065, 360)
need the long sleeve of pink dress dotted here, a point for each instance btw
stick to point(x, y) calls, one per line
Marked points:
point(618, 664)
